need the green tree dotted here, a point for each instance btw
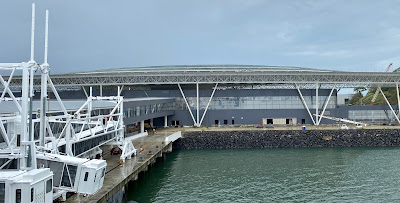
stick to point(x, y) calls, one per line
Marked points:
point(360, 89)
point(356, 99)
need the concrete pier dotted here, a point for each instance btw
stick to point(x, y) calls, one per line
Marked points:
point(119, 174)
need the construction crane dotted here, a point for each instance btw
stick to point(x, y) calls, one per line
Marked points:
point(377, 89)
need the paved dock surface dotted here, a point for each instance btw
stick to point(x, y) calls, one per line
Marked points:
point(277, 127)
point(118, 175)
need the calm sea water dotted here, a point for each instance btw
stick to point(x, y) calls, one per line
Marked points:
point(273, 175)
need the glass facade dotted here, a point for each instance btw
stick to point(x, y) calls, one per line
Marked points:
point(148, 109)
point(372, 116)
point(259, 102)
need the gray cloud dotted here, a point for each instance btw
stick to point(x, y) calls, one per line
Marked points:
point(99, 34)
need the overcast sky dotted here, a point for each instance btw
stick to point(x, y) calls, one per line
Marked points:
point(98, 34)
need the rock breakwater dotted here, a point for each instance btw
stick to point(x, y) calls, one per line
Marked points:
point(288, 139)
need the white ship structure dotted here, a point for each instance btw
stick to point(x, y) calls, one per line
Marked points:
point(47, 148)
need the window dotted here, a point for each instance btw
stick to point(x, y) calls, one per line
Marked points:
point(103, 173)
point(225, 122)
point(18, 140)
point(49, 186)
point(216, 122)
point(233, 122)
point(86, 176)
point(2, 192)
point(65, 179)
point(18, 195)
point(72, 169)
point(32, 194)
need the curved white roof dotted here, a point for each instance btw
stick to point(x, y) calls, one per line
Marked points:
point(283, 76)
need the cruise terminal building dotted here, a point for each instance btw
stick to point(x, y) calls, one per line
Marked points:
point(214, 95)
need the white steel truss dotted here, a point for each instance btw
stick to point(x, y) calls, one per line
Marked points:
point(326, 104)
point(271, 76)
point(197, 122)
point(398, 97)
point(390, 106)
point(208, 104)
point(316, 103)
point(187, 105)
point(305, 104)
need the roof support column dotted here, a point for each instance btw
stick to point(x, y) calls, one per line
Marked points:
point(305, 104)
point(120, 90)
point(142, 126)
point(198, 109)
point(398, 97)
point(101, 90)
point(208, 104)
point(56, 95)
point(326, 104)
point(187, 105)
point(84, 91)
point(316, 103)
point(395, 115)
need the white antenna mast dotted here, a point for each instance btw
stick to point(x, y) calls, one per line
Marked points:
point(46, 42)
point(33, 34)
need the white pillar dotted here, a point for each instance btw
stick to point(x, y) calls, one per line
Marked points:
point(68, 145)
point(198, 109)
point(121, 116)
point(101, 90)
point(84, 91)
point(165, 121)
point(90, 99)
point(151, 122)
point(24, 116)
point(208, 104)
point(398, 97)
point(33, 34)
point(305, 104)
point(387, 101)
point(142, 126)
point(138, 111)
point(43, 100)
point(187, 105)
point(326, 104)
point(316, 103)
